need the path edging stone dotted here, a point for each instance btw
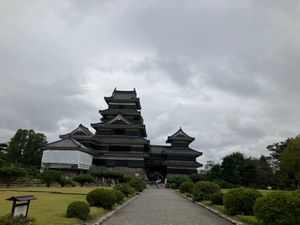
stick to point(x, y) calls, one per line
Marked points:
point(216, 212)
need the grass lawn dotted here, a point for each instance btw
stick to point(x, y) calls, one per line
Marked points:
point(49, 208)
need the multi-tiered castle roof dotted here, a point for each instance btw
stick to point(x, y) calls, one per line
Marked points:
point(120, 141)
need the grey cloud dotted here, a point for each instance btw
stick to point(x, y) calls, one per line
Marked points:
point(226, 71)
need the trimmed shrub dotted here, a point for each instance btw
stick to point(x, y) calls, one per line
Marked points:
point(19, 220)
point(63, 181)
point(101, 197)
point(49, 176)
point(216, 198)
point(240, 201)
point(138, 184)
point(78, 209)
point(186, 187)
point(203, 189)
point(126, 189)
point(196, 177)
point(177, 180)
point(120, 196)
point(9, 174)
point(278, 208)
point(224, 184)
point(83, 178)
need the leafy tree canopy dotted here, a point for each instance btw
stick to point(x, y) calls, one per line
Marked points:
point(26, 147)
point(290, 160)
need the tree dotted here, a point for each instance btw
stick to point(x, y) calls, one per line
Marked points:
point(248, 172)
point(49, 176)
point(26, 147)
point(276, 151)
point(264, 172)
point(84, 178)
point(10, 174)
point(3, 147)
point(290, 161)
point(231, 168)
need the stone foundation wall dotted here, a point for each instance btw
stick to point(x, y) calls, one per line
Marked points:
point(138, 172)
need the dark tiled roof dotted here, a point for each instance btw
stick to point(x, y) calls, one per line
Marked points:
point(158, 149)
point(161, 149)
point(123, 94)
point(79, 131)
point(120, 139)
point(180, 135)
point(183, 151)
point(183, 163)
point(120, 111)
point(68, 143)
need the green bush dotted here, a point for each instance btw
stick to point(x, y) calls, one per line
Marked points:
point(105, 198)
point(241, 201)
point(120, 196)
point(216, 198)
point(63, 181)
point(224, 184)
point(126, 189)
point(278, 208)
point(49, 176)
point(10, 174)
point(202, 190)
point(196, 177)
point(177, 180)
point(19, 220)
point(83, 178)
point(138, 184)
point(78, 209)
point(186, 187)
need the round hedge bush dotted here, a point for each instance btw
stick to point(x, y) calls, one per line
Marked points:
point(186, 187)
point(120, 196)
point(126, 189)
point(240, 201)
point(137, 184)
point(101, 197)
point(216, 198)
point(203, 189)
point(78, 209)
point(176, 180)
point(278, 208)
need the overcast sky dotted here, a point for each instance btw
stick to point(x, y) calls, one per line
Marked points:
point(226, 71)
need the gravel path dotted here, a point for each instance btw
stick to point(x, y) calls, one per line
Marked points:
point(164, 207)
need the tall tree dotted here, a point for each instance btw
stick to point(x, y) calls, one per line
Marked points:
point(248, 172)
point(231, 168)
point(290, 161)
point(265, 174)
point(26, 147)
point(276, 151)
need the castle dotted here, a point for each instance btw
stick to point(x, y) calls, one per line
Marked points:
point(120, 143)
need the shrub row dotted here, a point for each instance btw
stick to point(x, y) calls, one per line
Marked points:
point(105, 198)
point(175, 181)
point(275, 208)
point(241, 201)
point(278, 208)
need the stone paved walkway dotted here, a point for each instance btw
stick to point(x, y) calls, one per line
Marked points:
point(164, 207)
